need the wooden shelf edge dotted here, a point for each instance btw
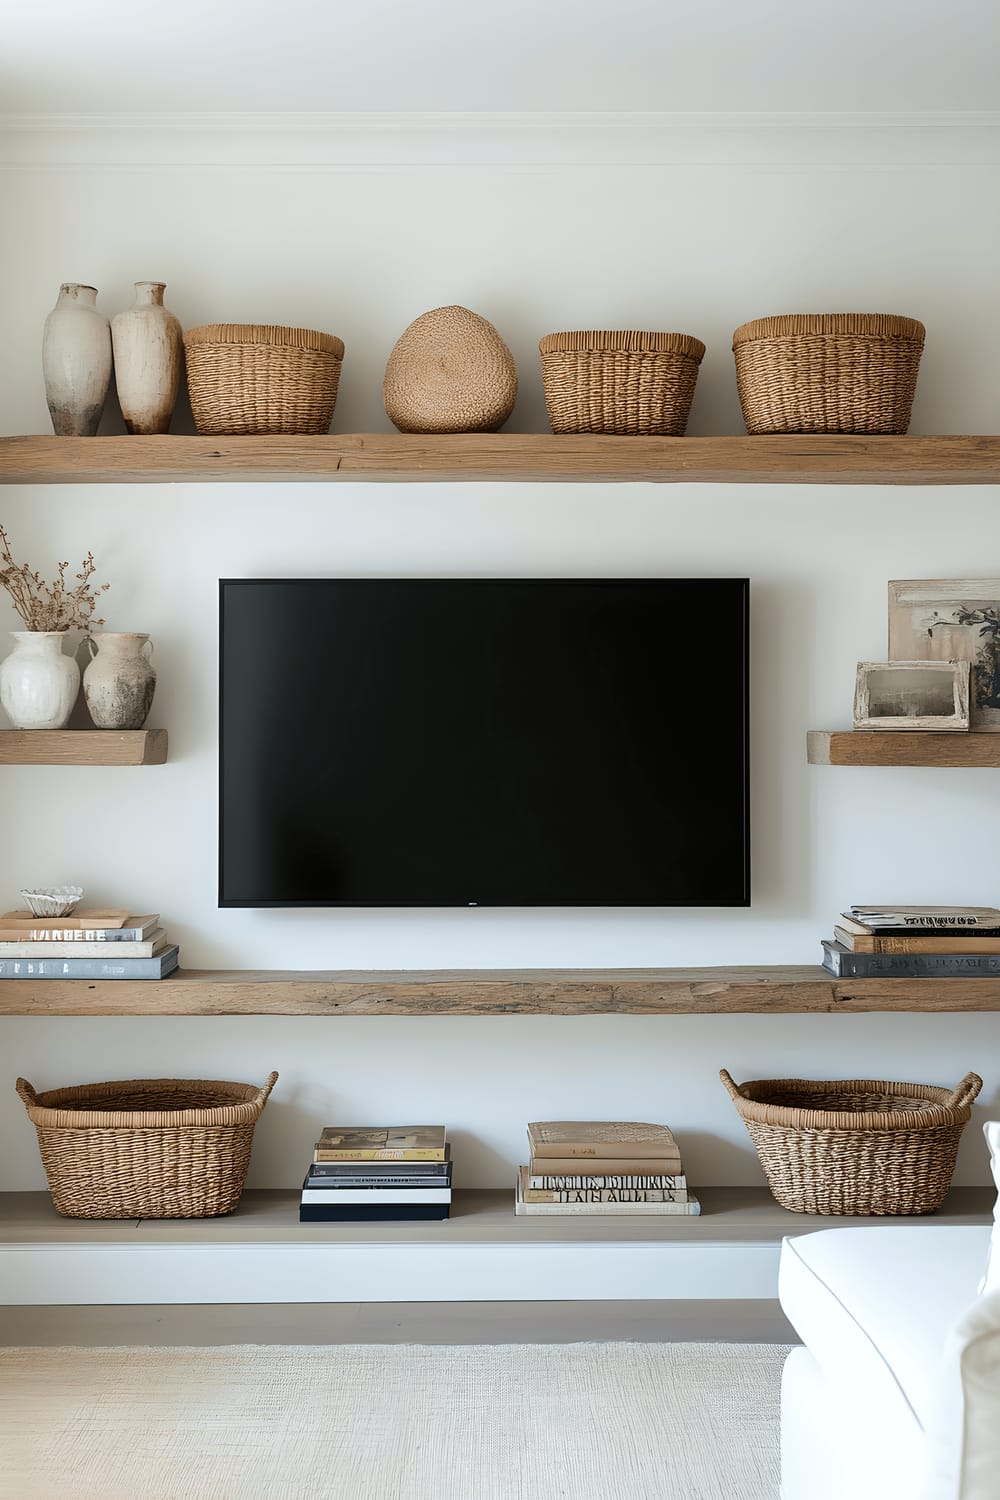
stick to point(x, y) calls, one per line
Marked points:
point(794, 990)
point(917, 747)
point(476, 457)
point(83, 747)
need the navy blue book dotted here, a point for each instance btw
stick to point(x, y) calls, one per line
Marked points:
point(401, 1213)
point(157, 967)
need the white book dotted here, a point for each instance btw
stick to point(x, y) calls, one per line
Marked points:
point(334, 1197)
point(48, 948)
point(604, 1210)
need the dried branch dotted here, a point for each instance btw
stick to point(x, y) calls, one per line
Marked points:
point(50, 606)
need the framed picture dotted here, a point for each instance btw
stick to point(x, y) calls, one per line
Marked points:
point(952, 619)
point(912, 695)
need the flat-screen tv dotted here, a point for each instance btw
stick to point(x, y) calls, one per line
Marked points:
point(484, 742)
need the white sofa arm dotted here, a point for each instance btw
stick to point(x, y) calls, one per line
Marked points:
point(963, 1439)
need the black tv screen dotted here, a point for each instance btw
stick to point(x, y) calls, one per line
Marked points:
point(484, 742)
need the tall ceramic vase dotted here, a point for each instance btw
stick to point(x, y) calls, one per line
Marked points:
point(38, 683)
point(149, 358)
point(120, 680)
point(76, 361)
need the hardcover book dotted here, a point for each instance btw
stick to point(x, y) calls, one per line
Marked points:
point(559, 1182)
point(844, 965)
point(384, 1171)
point(691, 1207)
point(596, 1195)
point(615, 1166)
point(965, 940)
point(84, 947)
point(91, 968)
point(877, 918)
point(403, 1213)
point(600, 1138)
point(373, 1197)
point(338, 1184)
point(385, 1143)
point(93, 917)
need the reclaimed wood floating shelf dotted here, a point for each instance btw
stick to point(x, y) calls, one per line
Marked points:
point(83, 747)
point(799, 990)
point(911, 747)
point(386, 457)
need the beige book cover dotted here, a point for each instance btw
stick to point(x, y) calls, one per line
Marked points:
point(600, 1138)
point(602, 1165)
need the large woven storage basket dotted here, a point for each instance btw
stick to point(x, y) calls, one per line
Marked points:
point(146, 1148)
point(247, 379)
point(626, 383)
point(857, 1146)
point(828, 372)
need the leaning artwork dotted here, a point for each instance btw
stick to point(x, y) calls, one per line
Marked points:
point(952, 619)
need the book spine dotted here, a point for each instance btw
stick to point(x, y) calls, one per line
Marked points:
point(602, 1150)
point(375, 1184)
point(908, 966)
point(374, 1197)
point(562, 1182)
point(928, 921)
point(692, 1207)
point(82, 949)
point(89, 968)
point(326, 1154)
point(75, 935)
point(362, 1214)
point(608, 1195)
point(541, 1166)
point(424, 1171)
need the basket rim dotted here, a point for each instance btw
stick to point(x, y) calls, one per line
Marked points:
point(627, 340)
point(269, 335)
point(854, 325)
point(53, 1108)
point(947, 1107)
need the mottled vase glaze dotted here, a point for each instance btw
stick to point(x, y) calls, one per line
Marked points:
point(38, 683)
point(76, 361)
point(120, 680)
point(149, 358)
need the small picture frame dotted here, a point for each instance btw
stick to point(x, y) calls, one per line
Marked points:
point(912, 695)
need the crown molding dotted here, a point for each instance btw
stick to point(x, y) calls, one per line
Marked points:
point(520, 140)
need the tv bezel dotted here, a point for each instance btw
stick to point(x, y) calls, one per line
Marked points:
point(738, 724)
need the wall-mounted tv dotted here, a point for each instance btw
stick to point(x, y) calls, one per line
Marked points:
point(484, 742)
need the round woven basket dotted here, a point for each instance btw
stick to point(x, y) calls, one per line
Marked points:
point(146, 1148)
point(247, 379)
point(856, 1146)
point(828, 372)
point(626, 383)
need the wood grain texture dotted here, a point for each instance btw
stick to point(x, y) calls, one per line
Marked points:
point(502, 456)
point(887, 747)
point(796, 990)
point(83, 747)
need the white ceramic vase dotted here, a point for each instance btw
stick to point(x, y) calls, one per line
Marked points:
point(76, 361)
point(120, 680)
point(38, 683)
point(149, 358)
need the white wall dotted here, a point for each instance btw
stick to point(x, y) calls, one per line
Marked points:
point(361, 251)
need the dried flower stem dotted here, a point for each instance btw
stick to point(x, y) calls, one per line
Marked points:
point(50, 606)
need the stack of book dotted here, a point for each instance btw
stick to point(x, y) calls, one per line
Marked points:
point(914, 942)
point(93, 944)
point(362, 1174)
point(591, 1167)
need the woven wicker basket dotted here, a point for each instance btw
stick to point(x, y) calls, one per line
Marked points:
point(828, 372)
point(253, 378)
point(627, 383)
point(146, 1148)
point(855, 1147)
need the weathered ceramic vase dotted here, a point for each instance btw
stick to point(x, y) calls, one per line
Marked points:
point(149, 359)
point(38, 682)
point(76, 361)
point(120, 680)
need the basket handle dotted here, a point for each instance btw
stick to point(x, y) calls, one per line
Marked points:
point(727, 1080)
point(272, 1079)
point(26, 1093)
point(965, 1092)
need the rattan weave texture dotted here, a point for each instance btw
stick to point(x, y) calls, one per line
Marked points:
point(857, 1146)
point(623, 382)
point(248, 379)
point(146, 1148)
point(828, 372)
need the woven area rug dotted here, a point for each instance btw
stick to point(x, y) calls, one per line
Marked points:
point(618, 1421)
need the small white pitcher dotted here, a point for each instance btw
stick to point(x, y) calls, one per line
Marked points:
point(120, 680)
